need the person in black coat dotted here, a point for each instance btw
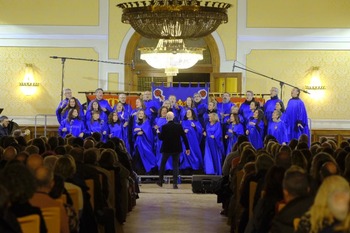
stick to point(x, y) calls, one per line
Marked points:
point(171, 134)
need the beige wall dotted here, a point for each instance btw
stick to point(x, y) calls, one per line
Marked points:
point(292, 66)
point(79, 76)
point(298, 14)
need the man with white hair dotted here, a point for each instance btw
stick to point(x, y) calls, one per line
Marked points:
point(171, 134)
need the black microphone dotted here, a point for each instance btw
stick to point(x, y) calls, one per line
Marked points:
point(234, 66)
point(132, 64)
point(54, 57)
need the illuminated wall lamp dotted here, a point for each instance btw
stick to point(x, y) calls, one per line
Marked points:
point(315, 87)
point(29, 86)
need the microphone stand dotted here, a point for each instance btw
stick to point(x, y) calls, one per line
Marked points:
point(276, 80)
point(63, 60)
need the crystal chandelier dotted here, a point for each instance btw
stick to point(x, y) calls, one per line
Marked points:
point(171, 55)
point(174, 19)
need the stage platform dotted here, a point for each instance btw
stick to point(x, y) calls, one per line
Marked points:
point(146, 179)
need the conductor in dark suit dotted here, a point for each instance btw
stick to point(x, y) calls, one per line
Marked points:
point(171, 134)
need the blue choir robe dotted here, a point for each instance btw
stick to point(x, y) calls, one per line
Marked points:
point(61, 106)
point(269, 107)
point(214, 150)
point(237, 129)
point(98, 126)
point(124, 117)
point(151, 110)
point(279, 131)
point(201, 109)
point(295, 114)
point(74, 127)
point(256, 134)
point(245, 112)
point(194, 135)
point(127, 108)
point(115, 130)
point(184, 111)
point(144, 145)
point(160, 121)
point(224, 108)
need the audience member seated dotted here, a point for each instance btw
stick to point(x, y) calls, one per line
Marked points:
point(34, 161)
point(41, 198)
point(8, 221)
point(9, 154)
point(296, 198)
point(21, 188)
point(31, 149)
point(330, 209)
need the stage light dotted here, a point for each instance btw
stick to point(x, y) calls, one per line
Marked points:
point(29, 86)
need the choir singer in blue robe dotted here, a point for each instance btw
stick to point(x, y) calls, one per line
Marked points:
point(255, 129)
point(214, 147)
point(277, 128)
point(72, 125)
point(234, 129)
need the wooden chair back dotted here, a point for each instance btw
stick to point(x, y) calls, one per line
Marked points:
point(52, 217)
point(90, 184)
point(252, 190)
point(30, 223)
point(74, 194)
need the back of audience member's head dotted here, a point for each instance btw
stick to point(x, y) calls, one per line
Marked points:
point(295, 183)
point(50, 161)
point(90, 156)
point(314, 149)
point(248, 155)
point(269, 147)
point(275, 149)
point(346, 173)
point(7, 141)
point(340, 159)
point(61, 141)
point(32, 149)
point(21, 141)
point(9, 153)
point(53, 142)
point(269, 138)
point(97, 136)
point(70, 140)
point(273, 182)
point(78, 154)
point(322, 139)
point(316, 164)
point(328, 169)
point(331, 202)
point(283, 159)
point(249, 168)
point(68, 148)
point(328, 151)
point(44, 178)
point(308, 156)
point(21, 185)
point(242, 138)
point(65, 167)
point(60, 150)
point(108, 158)
point(263, 163)
point(302, 145)
point(22, 157)
point(344, 144)
point(298, 159)
point(34, 161)
point(47, 153)
point(303, 138)
point(243, 146)
point(286, 149)
point(293, 144)
point(40, 143)
point(78, 142)
point(108, 145)
point(89, 143)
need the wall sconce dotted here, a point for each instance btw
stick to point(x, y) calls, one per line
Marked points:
point(315, 87)
point(28, 86)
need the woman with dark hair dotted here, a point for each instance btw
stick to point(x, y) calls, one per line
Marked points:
point(115, 126)
point(73, 104)
point(21, 187)
point(265, 208)
point(214, 146)
point(95, 107)
point(234, 129)
point(143, 144)
point(189, 104)
point(158, 123)
point(255, 129)
point(73, 125)
point(124, 117)
point(97, 125)
point(193, 130)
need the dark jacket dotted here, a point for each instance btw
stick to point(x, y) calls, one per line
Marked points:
point(283, 221)
point(171, 134)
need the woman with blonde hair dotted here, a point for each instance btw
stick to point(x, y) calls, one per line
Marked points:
point(330, 210)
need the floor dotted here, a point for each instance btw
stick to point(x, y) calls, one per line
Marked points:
point(174, 210)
